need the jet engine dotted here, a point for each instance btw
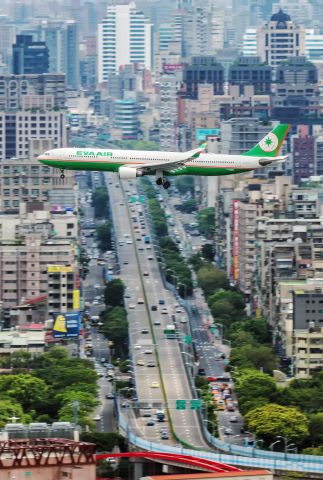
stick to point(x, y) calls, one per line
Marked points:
point(129, 173)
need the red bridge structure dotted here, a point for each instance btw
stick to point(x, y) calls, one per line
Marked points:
point(198, 463)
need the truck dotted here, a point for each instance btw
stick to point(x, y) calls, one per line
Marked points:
point(170, 331)
point(147, 239)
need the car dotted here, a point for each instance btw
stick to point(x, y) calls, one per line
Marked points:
point(97, 417)
point(161, 301)
point(97, 285)
point(141, 363)
point(126, 262)
point(178, 310)
point(148, 351)
point(146, 414)
point(96, 302)
point(137, 347)
point(233, 418)
point(140, 301)
point(131, 306)
point(150, 423)
point(120, 243)
point(150, 364)
point(148, 247)
point(138, 239)
point(125, 405)
point(111, 461)
point(183, 320)
point(145, 330)
point(164, 436)
point(228, 431)
point(154, 385)
point(141, 248)
point(109, 396)
point(150, 257)
point(164, 311)
point(146, 274)
point(154, 308)
point(157, 322)
point(129, 242)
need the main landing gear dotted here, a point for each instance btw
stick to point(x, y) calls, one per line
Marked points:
point(160, 180)
point(62, 175)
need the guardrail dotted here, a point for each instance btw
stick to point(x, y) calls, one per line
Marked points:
point(243, 461)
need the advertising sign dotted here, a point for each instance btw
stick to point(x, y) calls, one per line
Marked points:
point(66, 325)
point(76, 299)
point(202, 133)
point(59, 269)
point(172, 67)
point(235, 241)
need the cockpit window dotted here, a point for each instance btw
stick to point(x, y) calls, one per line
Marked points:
point(47, 154)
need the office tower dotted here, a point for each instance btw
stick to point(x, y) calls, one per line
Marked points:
point(124, 36)
point(303, 148)
point(279, 39)
point(203, 69)
point(31, 107)
point(126, 117)
point(250, 71)
point(61, 38)
point(29, 56)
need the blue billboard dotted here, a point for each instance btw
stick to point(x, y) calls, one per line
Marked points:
point(66, 325)
point(202, 133)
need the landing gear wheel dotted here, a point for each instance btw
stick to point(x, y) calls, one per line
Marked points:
point(159, 181)
point(62, 174)
point(166, 184)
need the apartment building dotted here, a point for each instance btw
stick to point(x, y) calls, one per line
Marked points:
point(38, 265)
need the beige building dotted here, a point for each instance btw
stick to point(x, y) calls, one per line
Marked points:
point(279, 39)
point(307, 351)
point(38, 264)
point(33, 341)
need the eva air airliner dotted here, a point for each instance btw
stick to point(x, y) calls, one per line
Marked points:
point(135, 163)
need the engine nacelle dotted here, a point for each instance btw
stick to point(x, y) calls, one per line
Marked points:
point(129, 173)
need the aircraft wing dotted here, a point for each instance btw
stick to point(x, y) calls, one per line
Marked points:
point(167, 165)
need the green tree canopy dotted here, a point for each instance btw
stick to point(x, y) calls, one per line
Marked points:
point(211, 279)
point(105, 442)
point(316, 429)
point(189, 206)
point(103, 232)
point(254, 356)
point(260, 384)
point(208, 252)
point(20, 359)
point(272, 420)
point(257, 328)
point(235, 298)
point(185, 184)
point(206, 221)
point(115, 328)
point(25, 389)
point(114, 293)
point(8, 409)
point(86, 404)
point(100, 200)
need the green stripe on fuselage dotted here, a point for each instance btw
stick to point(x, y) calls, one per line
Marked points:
point(114, 167)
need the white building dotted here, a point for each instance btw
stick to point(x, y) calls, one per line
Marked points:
point(124, 37)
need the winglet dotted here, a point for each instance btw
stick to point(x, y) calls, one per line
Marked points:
point(199, 150)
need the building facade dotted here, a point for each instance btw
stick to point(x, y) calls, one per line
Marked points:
point(29, 56)
point(124, 36)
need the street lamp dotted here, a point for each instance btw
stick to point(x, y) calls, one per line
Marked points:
point(286, 444)
point(271, 446)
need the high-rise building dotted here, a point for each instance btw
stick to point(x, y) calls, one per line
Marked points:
point(203, 69)
point(279, 39)
point(168, 87)
point(29, 56)
point(303, 148)
point(61, 38)
point(250, 71)
point(126, 117)
point(31, 107)
point(124, 36)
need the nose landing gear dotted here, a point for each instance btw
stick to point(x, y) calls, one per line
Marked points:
point(62, 175)
point(161, 180)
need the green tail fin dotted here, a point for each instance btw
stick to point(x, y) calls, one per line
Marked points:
point(270, 145)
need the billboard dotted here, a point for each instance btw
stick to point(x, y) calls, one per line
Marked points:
point(59, 269)
point(172, 67)
point(202, 133)
point(66, 325)
point(235, 240)
point(76, 299)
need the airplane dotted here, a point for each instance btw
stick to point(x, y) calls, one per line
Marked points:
point(135, 163)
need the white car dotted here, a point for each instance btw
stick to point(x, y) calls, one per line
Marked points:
point(129, 242)
point(137, 347)
point(96, 418)
point(140, 301)
point(131, 305)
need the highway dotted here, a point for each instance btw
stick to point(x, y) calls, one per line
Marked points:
point(133, 258)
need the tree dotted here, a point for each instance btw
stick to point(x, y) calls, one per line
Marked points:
point(208, 251)
point(234, 298)
point(316, 429)
point(206, 221)
point(185, 184)
point(253, 402)
point(189, 206)
point(257, 328)
point(272, 420)
point(105, 442)
point(100, 201)
point(260, 384)
point(254, 356)
point(210, 279)
point(20, 359)
point(103, 233)
point(26, 389)
point(86, 404)
point(114, 292)
point(115, 328)
point(9, 409)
